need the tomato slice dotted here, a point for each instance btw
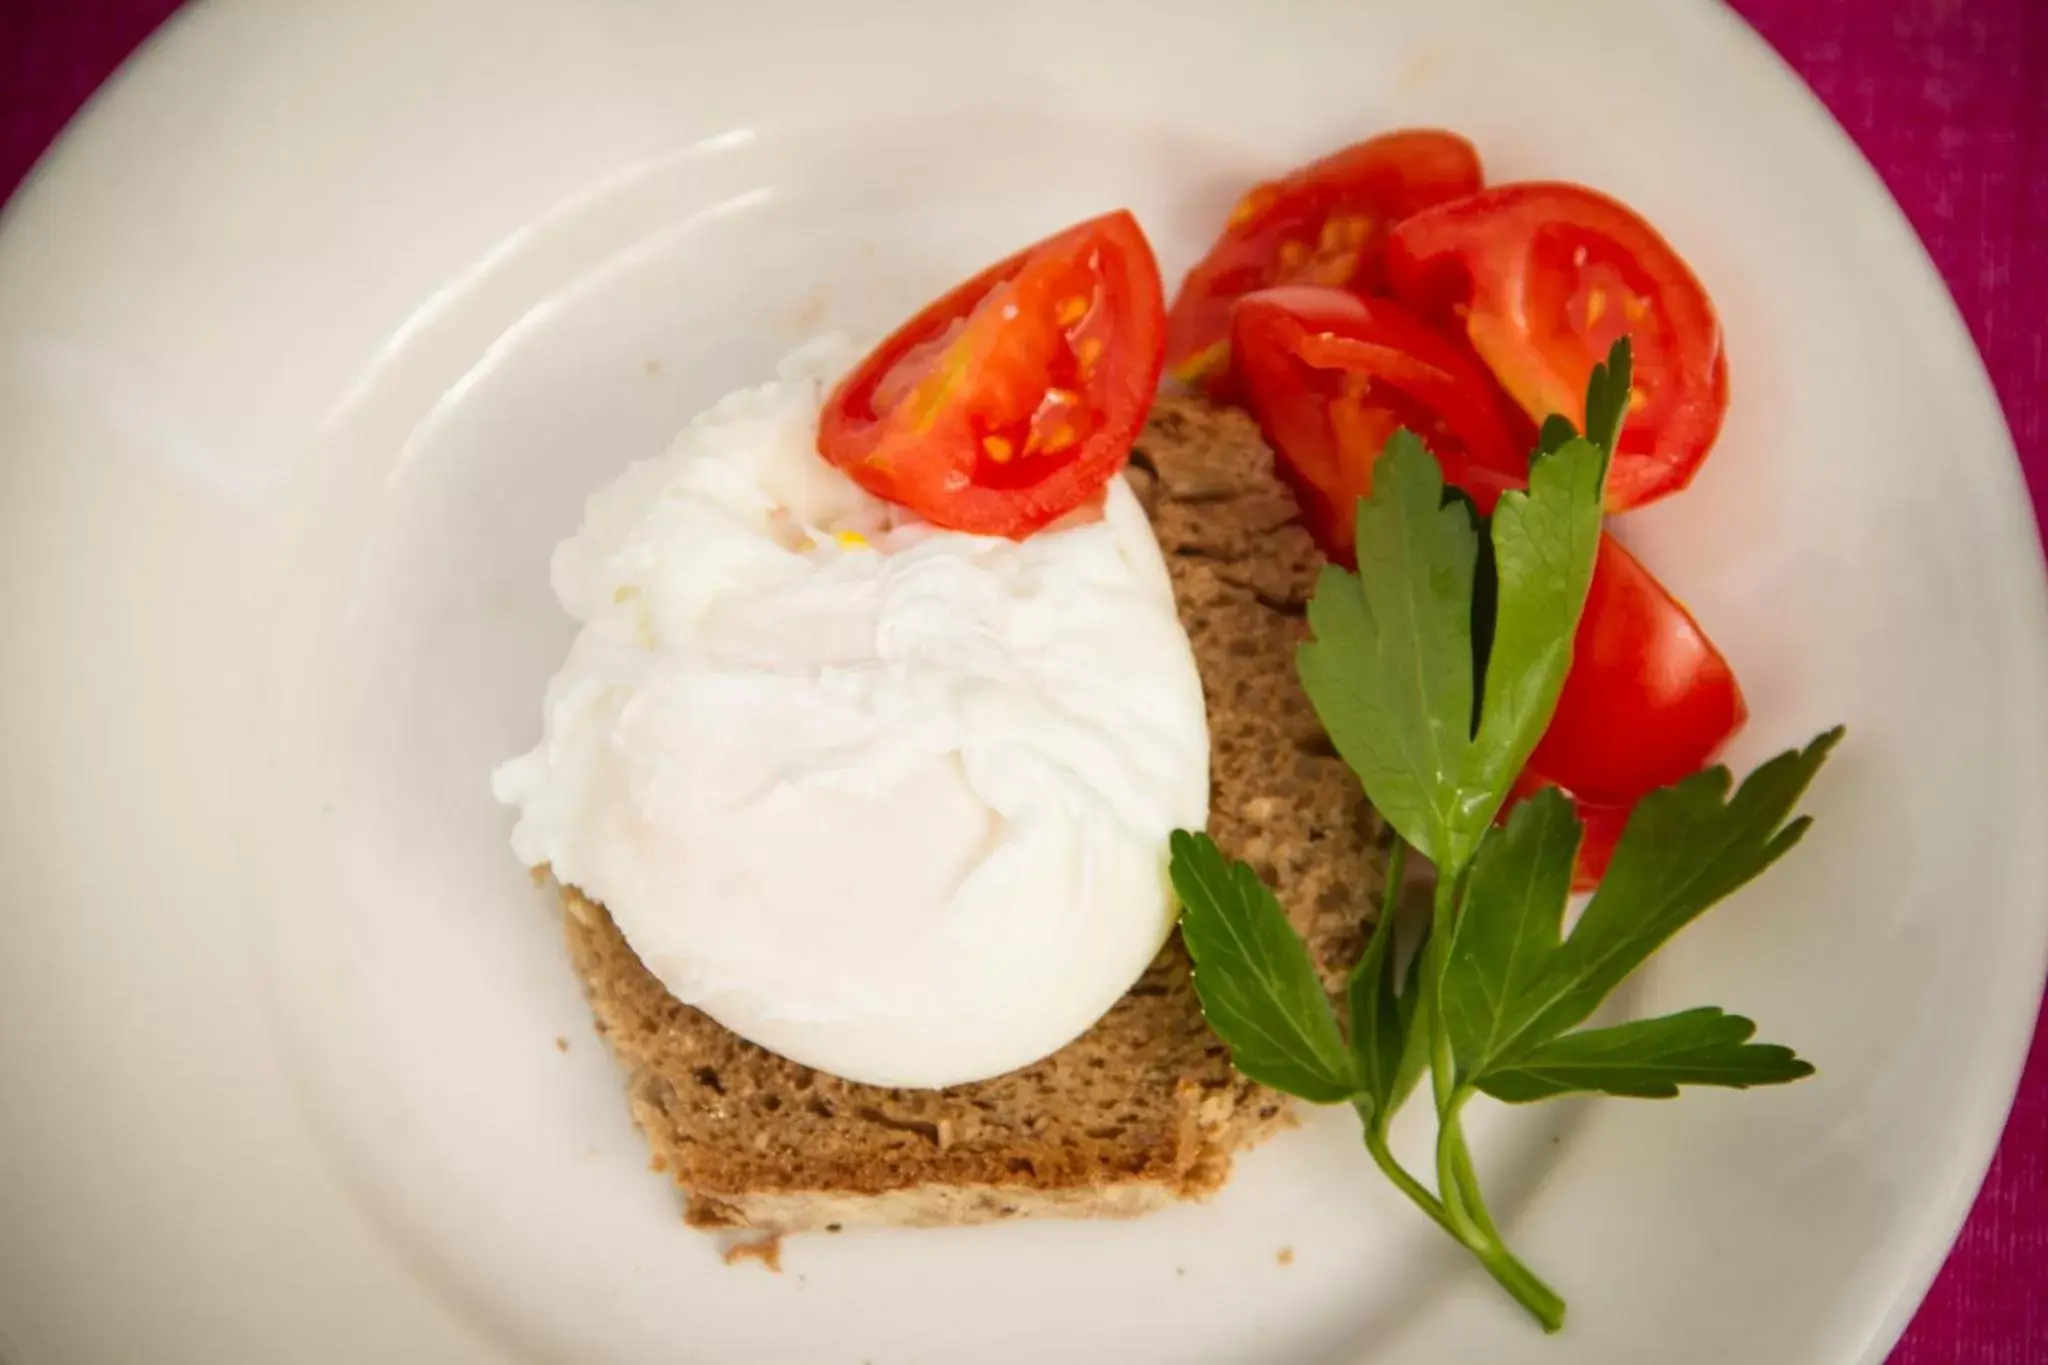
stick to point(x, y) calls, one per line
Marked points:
point(1330, 376)
point(1648, 700)
point(1545, 278)
point(1012, 399)
point(1325, 223)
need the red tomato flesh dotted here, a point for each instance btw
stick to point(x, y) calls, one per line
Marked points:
point(1330, 376)
point(1325, 223)
point(1012, 399)
point(1648, 700)
point(1544, 278)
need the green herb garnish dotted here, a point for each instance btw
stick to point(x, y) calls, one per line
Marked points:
point(1437, 709)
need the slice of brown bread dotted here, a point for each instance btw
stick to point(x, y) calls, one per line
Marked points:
point(1144, 1107)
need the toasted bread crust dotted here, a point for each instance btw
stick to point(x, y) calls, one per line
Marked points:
point(1145, 1107)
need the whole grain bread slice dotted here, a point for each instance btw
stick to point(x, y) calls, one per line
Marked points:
point(1145, 1107)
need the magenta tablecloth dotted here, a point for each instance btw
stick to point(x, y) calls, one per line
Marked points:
point(1949, 99)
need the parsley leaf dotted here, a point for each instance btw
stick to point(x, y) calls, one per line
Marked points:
point(1648, 1059)
point(1415, 1032)
point(1509, 929)
point(1378, 1032)
point(1259, 991)
point(1555, 431)
point(1685, 847)
point(1510, 985)
point(1390, 668)
point(1382, 1009)
point(1544, 542)
point(1607, 396)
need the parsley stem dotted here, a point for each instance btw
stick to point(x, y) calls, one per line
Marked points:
point(1454, 1174)
point(1450, 1189)
point(1390, 1165)
point(1459, 1207)
point(1538, 1298)
point(1442, 1073)
point(1470, 1222)
point(1466, 1178)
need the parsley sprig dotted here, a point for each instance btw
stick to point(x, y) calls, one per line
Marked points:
point(1435, 669)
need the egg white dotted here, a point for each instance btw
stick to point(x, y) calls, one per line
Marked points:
point(887, 799)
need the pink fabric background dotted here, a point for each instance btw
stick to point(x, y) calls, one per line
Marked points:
point(1949, 99)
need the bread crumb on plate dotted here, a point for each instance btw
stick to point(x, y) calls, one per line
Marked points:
point(767, 1250)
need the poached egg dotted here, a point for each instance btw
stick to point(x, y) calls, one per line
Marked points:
point(890, 800)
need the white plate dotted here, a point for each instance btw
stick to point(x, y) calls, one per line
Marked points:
point(314, 334)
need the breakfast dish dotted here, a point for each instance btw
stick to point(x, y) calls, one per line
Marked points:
point(773, 1132)
point(287, 468)
point(882, 757)
point(1142, 1108)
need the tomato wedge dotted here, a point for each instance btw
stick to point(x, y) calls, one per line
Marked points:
point(1648, 701)
point(1330, 376)
point(1325, 223)
point(1545, 278)
point(1012, 399)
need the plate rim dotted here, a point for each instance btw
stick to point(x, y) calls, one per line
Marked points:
point(1914, 1273)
